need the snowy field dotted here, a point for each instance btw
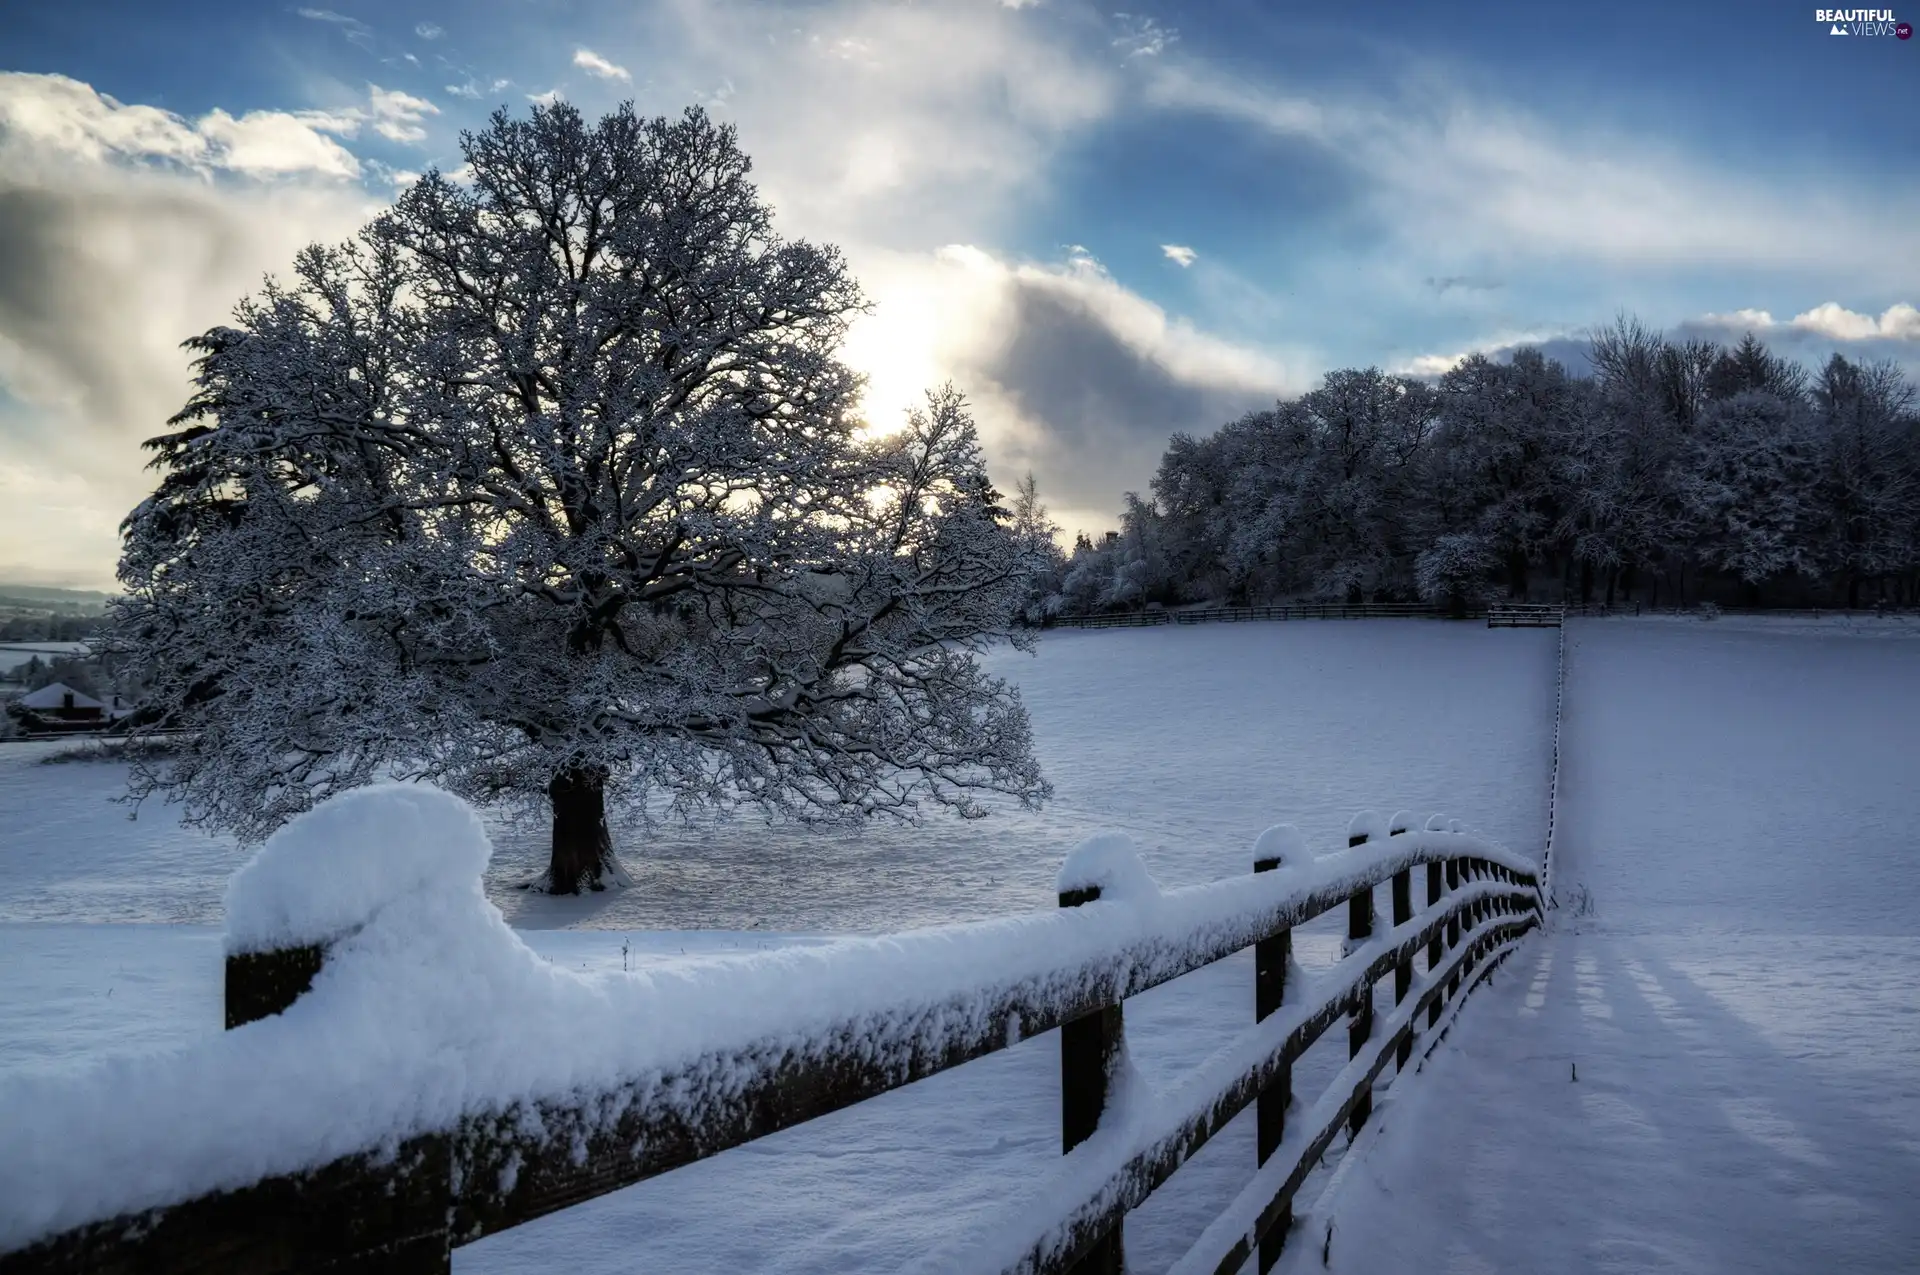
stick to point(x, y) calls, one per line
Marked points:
point(14, 654)
point(1741, 809)
point(1730, 977)
point(1192, 740)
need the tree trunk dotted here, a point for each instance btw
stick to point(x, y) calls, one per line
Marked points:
point(1613, 576)
point(1517, 574)
point(1586, 583)
point(582, 847)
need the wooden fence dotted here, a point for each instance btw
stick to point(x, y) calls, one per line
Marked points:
point(401, 1209)
point(1524, 615)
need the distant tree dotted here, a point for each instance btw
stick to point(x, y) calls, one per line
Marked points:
point(1869, 481)
point(548, 488)
point(1037, 535)
point(1453, 571)
point(1748, 483)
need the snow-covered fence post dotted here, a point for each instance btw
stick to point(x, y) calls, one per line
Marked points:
point(1091, 1045)
point(1362, 829)
point(1271, 957)
point(1435, 945)
point(1404, 822)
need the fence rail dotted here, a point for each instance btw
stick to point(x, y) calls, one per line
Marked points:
point(1523, 615)
point(402, 1208)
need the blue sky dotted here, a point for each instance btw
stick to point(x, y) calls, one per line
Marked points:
point(1103, 226)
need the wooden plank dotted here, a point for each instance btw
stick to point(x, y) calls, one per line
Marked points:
point(1403, 972)
point(261, 984)
point(1360, 1028)
point(1090, 1046)
point(1435, 878)
point(1270, 959)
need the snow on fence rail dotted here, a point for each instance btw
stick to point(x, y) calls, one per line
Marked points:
point(1291, 611)
point(405, 1076)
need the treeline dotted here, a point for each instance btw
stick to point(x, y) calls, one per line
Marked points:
point(50, 628)
point(1678, 472)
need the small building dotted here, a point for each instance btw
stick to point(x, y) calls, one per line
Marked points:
point(60, 703)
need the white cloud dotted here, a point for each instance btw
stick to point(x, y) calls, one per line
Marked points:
point(1452, 177)
point(595, 65)
point(1899, 322)
point(1431, 365)
point(429, 30)
point(55, 115)
point(1141, 37)
point(124, 229)
point(356, 32)
point(473, 90)
point(397, 115)
point(1179, 254)
point(547, 98)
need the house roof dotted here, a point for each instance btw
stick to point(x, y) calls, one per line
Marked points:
point(55, 695)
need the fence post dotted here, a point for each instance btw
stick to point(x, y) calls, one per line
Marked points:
point(1360, 1028)
point(390, 1217)
point(1271, 956)
point(1403, 823)
point(1089, 1046)
point(1470, 872)
point(262, 984)
point(1453, 923)
point(1434, 890)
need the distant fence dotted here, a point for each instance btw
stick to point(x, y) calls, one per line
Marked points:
point(1523, 615)
point(100, 734)
point(401, 1206)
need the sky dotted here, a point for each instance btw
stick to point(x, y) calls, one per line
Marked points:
point(1104, 227)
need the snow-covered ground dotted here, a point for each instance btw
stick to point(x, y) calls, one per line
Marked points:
point(14, 654)
point(1731, 972)
point(1731, 980)
point(1192, 740)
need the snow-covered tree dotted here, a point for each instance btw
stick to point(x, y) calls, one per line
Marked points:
point(1452, 572)
point(1869, 482)
point(1747, 482)
point(549, 487)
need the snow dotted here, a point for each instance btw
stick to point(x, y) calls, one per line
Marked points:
point(14, 654)
point(1709, 1063)
point(335, 868)
point(1192, 740)
point(406, 1027)
point(55, 695)
point(1367, 825)
point(1110, 863)
point(1281, 845)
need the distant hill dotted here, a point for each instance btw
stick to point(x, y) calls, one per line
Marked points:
point(41, 598)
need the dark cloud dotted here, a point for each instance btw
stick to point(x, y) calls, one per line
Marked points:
point(1464, 283)
point(1103, 409)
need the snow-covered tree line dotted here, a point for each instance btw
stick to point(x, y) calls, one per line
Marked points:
point(551, 486)
point(1678, 471)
